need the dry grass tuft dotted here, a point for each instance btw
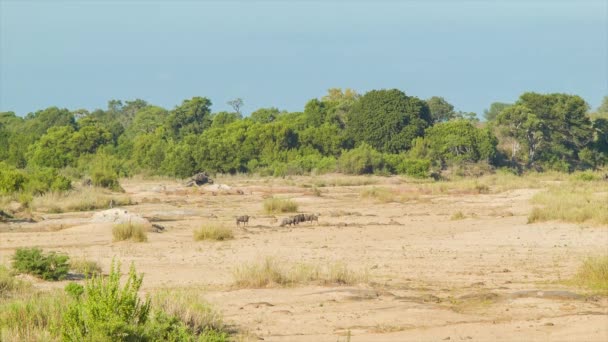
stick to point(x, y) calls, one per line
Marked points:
point(83, 199)
point(275, 205)
point(129, 231)
point(574, 203)
point(189, 307)
point(88, 268)
point(458, 216)
point(9, 284)
point(211, 232)
point(272, 272)
point(593, 274)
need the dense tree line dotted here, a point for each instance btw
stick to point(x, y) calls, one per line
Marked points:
point(381, 131)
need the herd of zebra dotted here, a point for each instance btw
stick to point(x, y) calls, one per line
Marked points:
point(288, 221)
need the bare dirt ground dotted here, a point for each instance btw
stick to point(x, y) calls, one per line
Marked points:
point(487, 277)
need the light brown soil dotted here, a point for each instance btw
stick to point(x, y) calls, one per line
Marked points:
point(488, 277)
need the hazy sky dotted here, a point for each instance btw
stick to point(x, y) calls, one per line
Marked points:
point(80, 54)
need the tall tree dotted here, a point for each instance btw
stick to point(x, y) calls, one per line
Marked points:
point(191, 117)
point(491, 113)
point(388, 120)
point(441, 110)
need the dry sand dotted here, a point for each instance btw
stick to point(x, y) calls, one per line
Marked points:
point(487, 277)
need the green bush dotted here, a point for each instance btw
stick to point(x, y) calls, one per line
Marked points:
point(11, 179)
point(108, 311)
point(361, 160)
point(33, 261)
point(419, 168)
point(46, 179)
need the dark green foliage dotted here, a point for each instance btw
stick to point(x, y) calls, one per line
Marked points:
point(75, 290)
point(50, 266)
point(191, 117)
point(265, 115)
point(419, 168)
point(104, 171)
point(388, 120)
point(551, 129)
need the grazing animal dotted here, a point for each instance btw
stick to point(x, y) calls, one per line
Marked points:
point(312, 217)
point(240, 192)
point(158, 228)
point(242, 219)
point(288, 221)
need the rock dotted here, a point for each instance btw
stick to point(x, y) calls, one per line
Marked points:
point(118, 216)
point(198, 179)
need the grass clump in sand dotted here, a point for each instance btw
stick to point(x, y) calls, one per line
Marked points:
point(129, 231)
point(458, 216)
point(87, 268)
point(9, 284)
point(275, 205)
point(212, 232)
point(271, 272)
point(577, 204)
point(593, 275)
point(189, 307)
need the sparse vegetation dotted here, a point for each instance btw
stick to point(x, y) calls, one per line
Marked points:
point(10, 284)
point(383, 195)
point(213, 232)
point(458, 216)
point(573, 203)
point(83, 199)
point(593, 275)
point(87, 268)
point(276, 205)
point(272, 272)
point(129, 231)
point(49, 266)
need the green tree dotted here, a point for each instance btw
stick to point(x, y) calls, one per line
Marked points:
point(265, 115)
point(441, 110)
point(388, 120)
point(191, 117)
point(491, 113)
point(54, 149)
point(603, 108)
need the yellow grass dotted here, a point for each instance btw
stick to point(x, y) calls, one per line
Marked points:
point(593, 275)
point(458, 216)
point(88, 268)
point(189, 306)
point(84, 199)
point(577, 203)
point(280, 205)
point(129, 231)
point(211, 232)
point(272, 272)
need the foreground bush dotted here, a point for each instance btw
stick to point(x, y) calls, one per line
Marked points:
point(593, 274)
point(272, 272)
point(280, 205)
point(33, 261)
point(129, 231)
point(217, 233)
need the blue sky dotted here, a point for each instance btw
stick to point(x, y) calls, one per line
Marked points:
point(80, 54)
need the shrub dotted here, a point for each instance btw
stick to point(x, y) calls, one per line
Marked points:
point(209, 232)
point(46, 179)
point(458, 216)
point(593, 274)
point(33, 261)
point(85, 267)
point(129, 231)
point(280, 205)
point(108, 311)
point(419, 168)
point(361, 160)
point(11, 179)
point(78, 200)
point(106, 179)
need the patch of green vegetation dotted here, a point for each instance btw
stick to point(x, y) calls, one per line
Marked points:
point(49, 266)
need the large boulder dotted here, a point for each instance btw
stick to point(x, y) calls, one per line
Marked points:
point(118, 216)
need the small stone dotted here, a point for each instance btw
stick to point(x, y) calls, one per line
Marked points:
point(549, 324)
point(447, 338)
